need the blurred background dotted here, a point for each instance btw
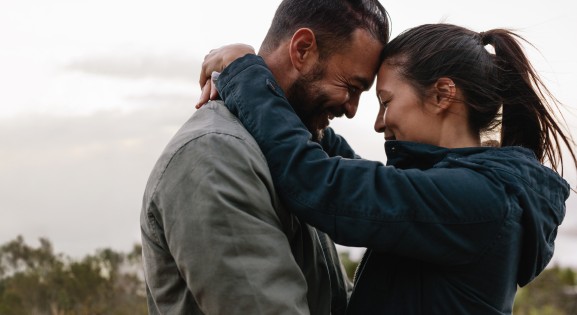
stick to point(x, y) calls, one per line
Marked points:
point(92, 91)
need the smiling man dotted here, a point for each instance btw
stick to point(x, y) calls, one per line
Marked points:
point(216, 239)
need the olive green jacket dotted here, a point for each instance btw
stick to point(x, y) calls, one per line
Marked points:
point(215, 238)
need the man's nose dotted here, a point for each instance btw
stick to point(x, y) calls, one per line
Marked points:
point(351, 107)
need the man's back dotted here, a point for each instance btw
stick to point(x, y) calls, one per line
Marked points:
point(216, 239)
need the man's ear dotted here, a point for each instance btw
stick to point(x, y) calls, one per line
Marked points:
point(445, 92)
point(303, 49)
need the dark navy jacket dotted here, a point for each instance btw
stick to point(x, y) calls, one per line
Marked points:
point(448, 231)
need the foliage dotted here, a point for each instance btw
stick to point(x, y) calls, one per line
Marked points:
point(553, 292)
point(349, 264)
point(38, 281)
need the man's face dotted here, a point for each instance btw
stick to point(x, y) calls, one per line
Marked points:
point(333, 87)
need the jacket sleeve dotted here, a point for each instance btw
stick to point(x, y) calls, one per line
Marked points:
point(359, 202)
point(224, 234)
point(336, 145)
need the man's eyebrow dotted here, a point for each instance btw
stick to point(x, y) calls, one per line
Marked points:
point(362, 82)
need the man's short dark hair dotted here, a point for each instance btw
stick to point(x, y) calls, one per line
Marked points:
point(332, 21)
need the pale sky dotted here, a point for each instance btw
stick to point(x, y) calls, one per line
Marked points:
point(91, 92)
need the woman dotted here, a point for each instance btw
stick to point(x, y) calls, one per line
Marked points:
point(451, 226)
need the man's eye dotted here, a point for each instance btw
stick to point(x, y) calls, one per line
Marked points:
point(353, 90)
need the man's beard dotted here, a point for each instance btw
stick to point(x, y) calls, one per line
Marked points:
point(307, 100)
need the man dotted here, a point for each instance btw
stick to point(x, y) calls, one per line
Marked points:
point(216, 239)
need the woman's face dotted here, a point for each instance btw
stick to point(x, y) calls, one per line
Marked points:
point(403, 115)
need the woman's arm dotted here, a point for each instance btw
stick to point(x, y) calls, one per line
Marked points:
point(359, 202)
point(336, 145)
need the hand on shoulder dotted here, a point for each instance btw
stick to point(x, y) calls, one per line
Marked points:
point(214, 62)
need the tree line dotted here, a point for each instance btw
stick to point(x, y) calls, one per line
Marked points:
point(38, 281)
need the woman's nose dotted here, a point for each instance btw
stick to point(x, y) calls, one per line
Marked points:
point(380, 122)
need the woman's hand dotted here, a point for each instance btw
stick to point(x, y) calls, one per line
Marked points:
point(213, 64)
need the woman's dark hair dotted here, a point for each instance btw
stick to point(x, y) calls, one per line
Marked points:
point(500, 89)
point(332, 21)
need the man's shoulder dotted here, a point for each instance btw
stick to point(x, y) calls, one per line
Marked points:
point(211, 138)
point(212, 132)
point(213, 128)
point(212, 120)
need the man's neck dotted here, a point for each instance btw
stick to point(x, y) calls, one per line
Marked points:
point(281, 67)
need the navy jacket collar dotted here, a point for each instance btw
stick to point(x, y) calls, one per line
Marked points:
point(405, 154)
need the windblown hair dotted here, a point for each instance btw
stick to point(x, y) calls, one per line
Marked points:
point(332, 21)
point(500, 90)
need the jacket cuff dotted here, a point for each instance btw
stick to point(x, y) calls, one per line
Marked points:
point(235, 68)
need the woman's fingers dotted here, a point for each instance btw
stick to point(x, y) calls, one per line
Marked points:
point(214, 62)
point(204, 94)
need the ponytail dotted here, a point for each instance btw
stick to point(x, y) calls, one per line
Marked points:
point(527, 116)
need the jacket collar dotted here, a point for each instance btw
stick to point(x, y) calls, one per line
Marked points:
point(404, 154)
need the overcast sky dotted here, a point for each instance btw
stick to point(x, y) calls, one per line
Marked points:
point(91, 92)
